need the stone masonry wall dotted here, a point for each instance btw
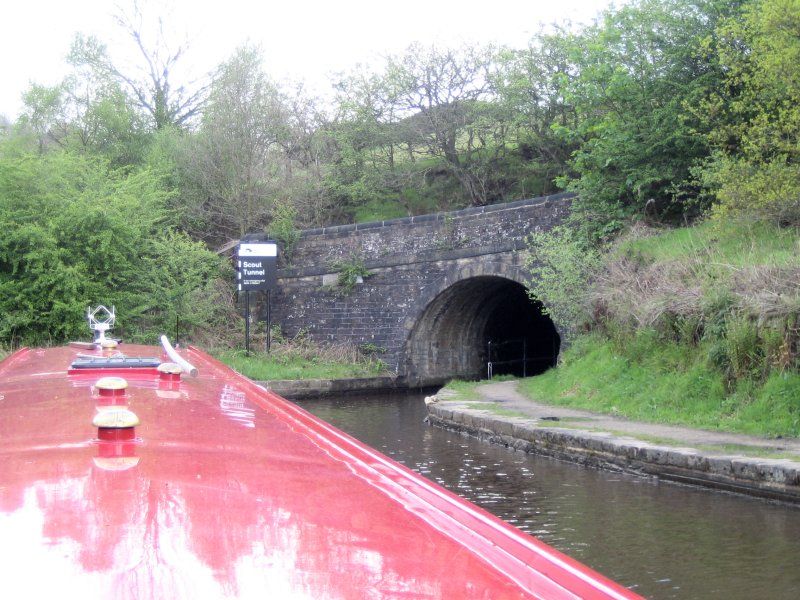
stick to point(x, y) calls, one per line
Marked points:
point(411, 261)
point(498, 225)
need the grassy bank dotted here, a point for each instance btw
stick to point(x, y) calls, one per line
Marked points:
point(652, 380)
point(266, 367)
point(697, 326)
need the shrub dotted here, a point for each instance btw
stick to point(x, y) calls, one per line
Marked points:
point(561, 264)
point(282, 228)
point(78, 233)
point(761, 190)
point(350, 271)
point(742, 348)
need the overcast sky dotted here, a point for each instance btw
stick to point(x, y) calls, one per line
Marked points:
point(302, 39)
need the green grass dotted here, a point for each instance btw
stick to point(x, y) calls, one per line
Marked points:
point(463, 390)
point(383, 209)
point(726, 360)
point(649, 379)
point(267, 367)
point(733, 244)
point(376, 210)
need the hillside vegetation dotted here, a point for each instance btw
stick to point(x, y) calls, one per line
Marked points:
point(676, 123)
point(697, 326)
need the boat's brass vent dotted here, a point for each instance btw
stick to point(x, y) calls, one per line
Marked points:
point(111, 386)
point(170, 371)
point(117, 419)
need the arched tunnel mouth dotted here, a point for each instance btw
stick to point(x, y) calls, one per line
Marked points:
point(480, 326)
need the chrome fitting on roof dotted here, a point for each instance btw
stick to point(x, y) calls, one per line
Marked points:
point(101, 320)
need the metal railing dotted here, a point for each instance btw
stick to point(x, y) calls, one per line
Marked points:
point(497, 354)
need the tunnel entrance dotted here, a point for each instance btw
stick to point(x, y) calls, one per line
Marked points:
point(520, 339)
point(477, 321)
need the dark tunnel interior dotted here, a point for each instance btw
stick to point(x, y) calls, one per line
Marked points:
point(520, 340)
point(477, 321)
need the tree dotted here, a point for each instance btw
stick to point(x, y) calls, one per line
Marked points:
point(427, 120)
point(151, 82)
point(753, 118)
point(366, 141)
point(444, 96)
point(633, 73)
point(87, 115)
point(234, 164)
point(77, 232)
point(530, 85)
point(306, 151)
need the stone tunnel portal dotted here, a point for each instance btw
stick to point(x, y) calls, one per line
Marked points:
point(478, 320)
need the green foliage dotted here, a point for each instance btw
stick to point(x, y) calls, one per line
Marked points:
point(183, 281)
point(608, 111)
point(86, 115)
point(649, 379)
point(423, 134)
point(754, 117)
point(78, 233)
point(561, 264)
point(282, 228)
point(634, 72)
point(350, 272)
point(232, 165)
point(529, 84)
point(370, 349)
point(746, 188)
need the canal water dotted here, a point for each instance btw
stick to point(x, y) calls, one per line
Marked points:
point(661, 539)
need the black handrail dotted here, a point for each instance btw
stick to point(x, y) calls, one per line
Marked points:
point(495, 346)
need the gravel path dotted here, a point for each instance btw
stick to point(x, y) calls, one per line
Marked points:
point(506, 396)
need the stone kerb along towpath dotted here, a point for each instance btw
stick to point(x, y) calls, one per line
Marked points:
point(726, 461)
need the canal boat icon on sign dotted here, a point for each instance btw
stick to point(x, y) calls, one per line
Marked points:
point(256, 265)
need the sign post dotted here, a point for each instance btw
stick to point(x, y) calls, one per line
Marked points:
point(256, 269)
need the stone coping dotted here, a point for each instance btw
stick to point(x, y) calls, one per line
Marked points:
point(433, 217)
point(296, 389)
point(771, 478)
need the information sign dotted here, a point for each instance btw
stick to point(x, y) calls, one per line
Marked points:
point(256, 263)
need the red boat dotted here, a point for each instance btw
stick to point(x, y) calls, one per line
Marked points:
point(123, 477)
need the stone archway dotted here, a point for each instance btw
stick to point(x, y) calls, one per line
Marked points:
point(451, 336)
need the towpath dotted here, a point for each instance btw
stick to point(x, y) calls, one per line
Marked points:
point(733, 462)
point(508, 400)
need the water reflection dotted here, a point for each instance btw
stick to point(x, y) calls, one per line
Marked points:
point(233, 404)
point(211, 511)
point(661, 539)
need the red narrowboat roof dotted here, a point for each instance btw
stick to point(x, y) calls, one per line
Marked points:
point(225, 490)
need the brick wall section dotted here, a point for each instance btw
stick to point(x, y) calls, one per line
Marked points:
point(412, 260)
